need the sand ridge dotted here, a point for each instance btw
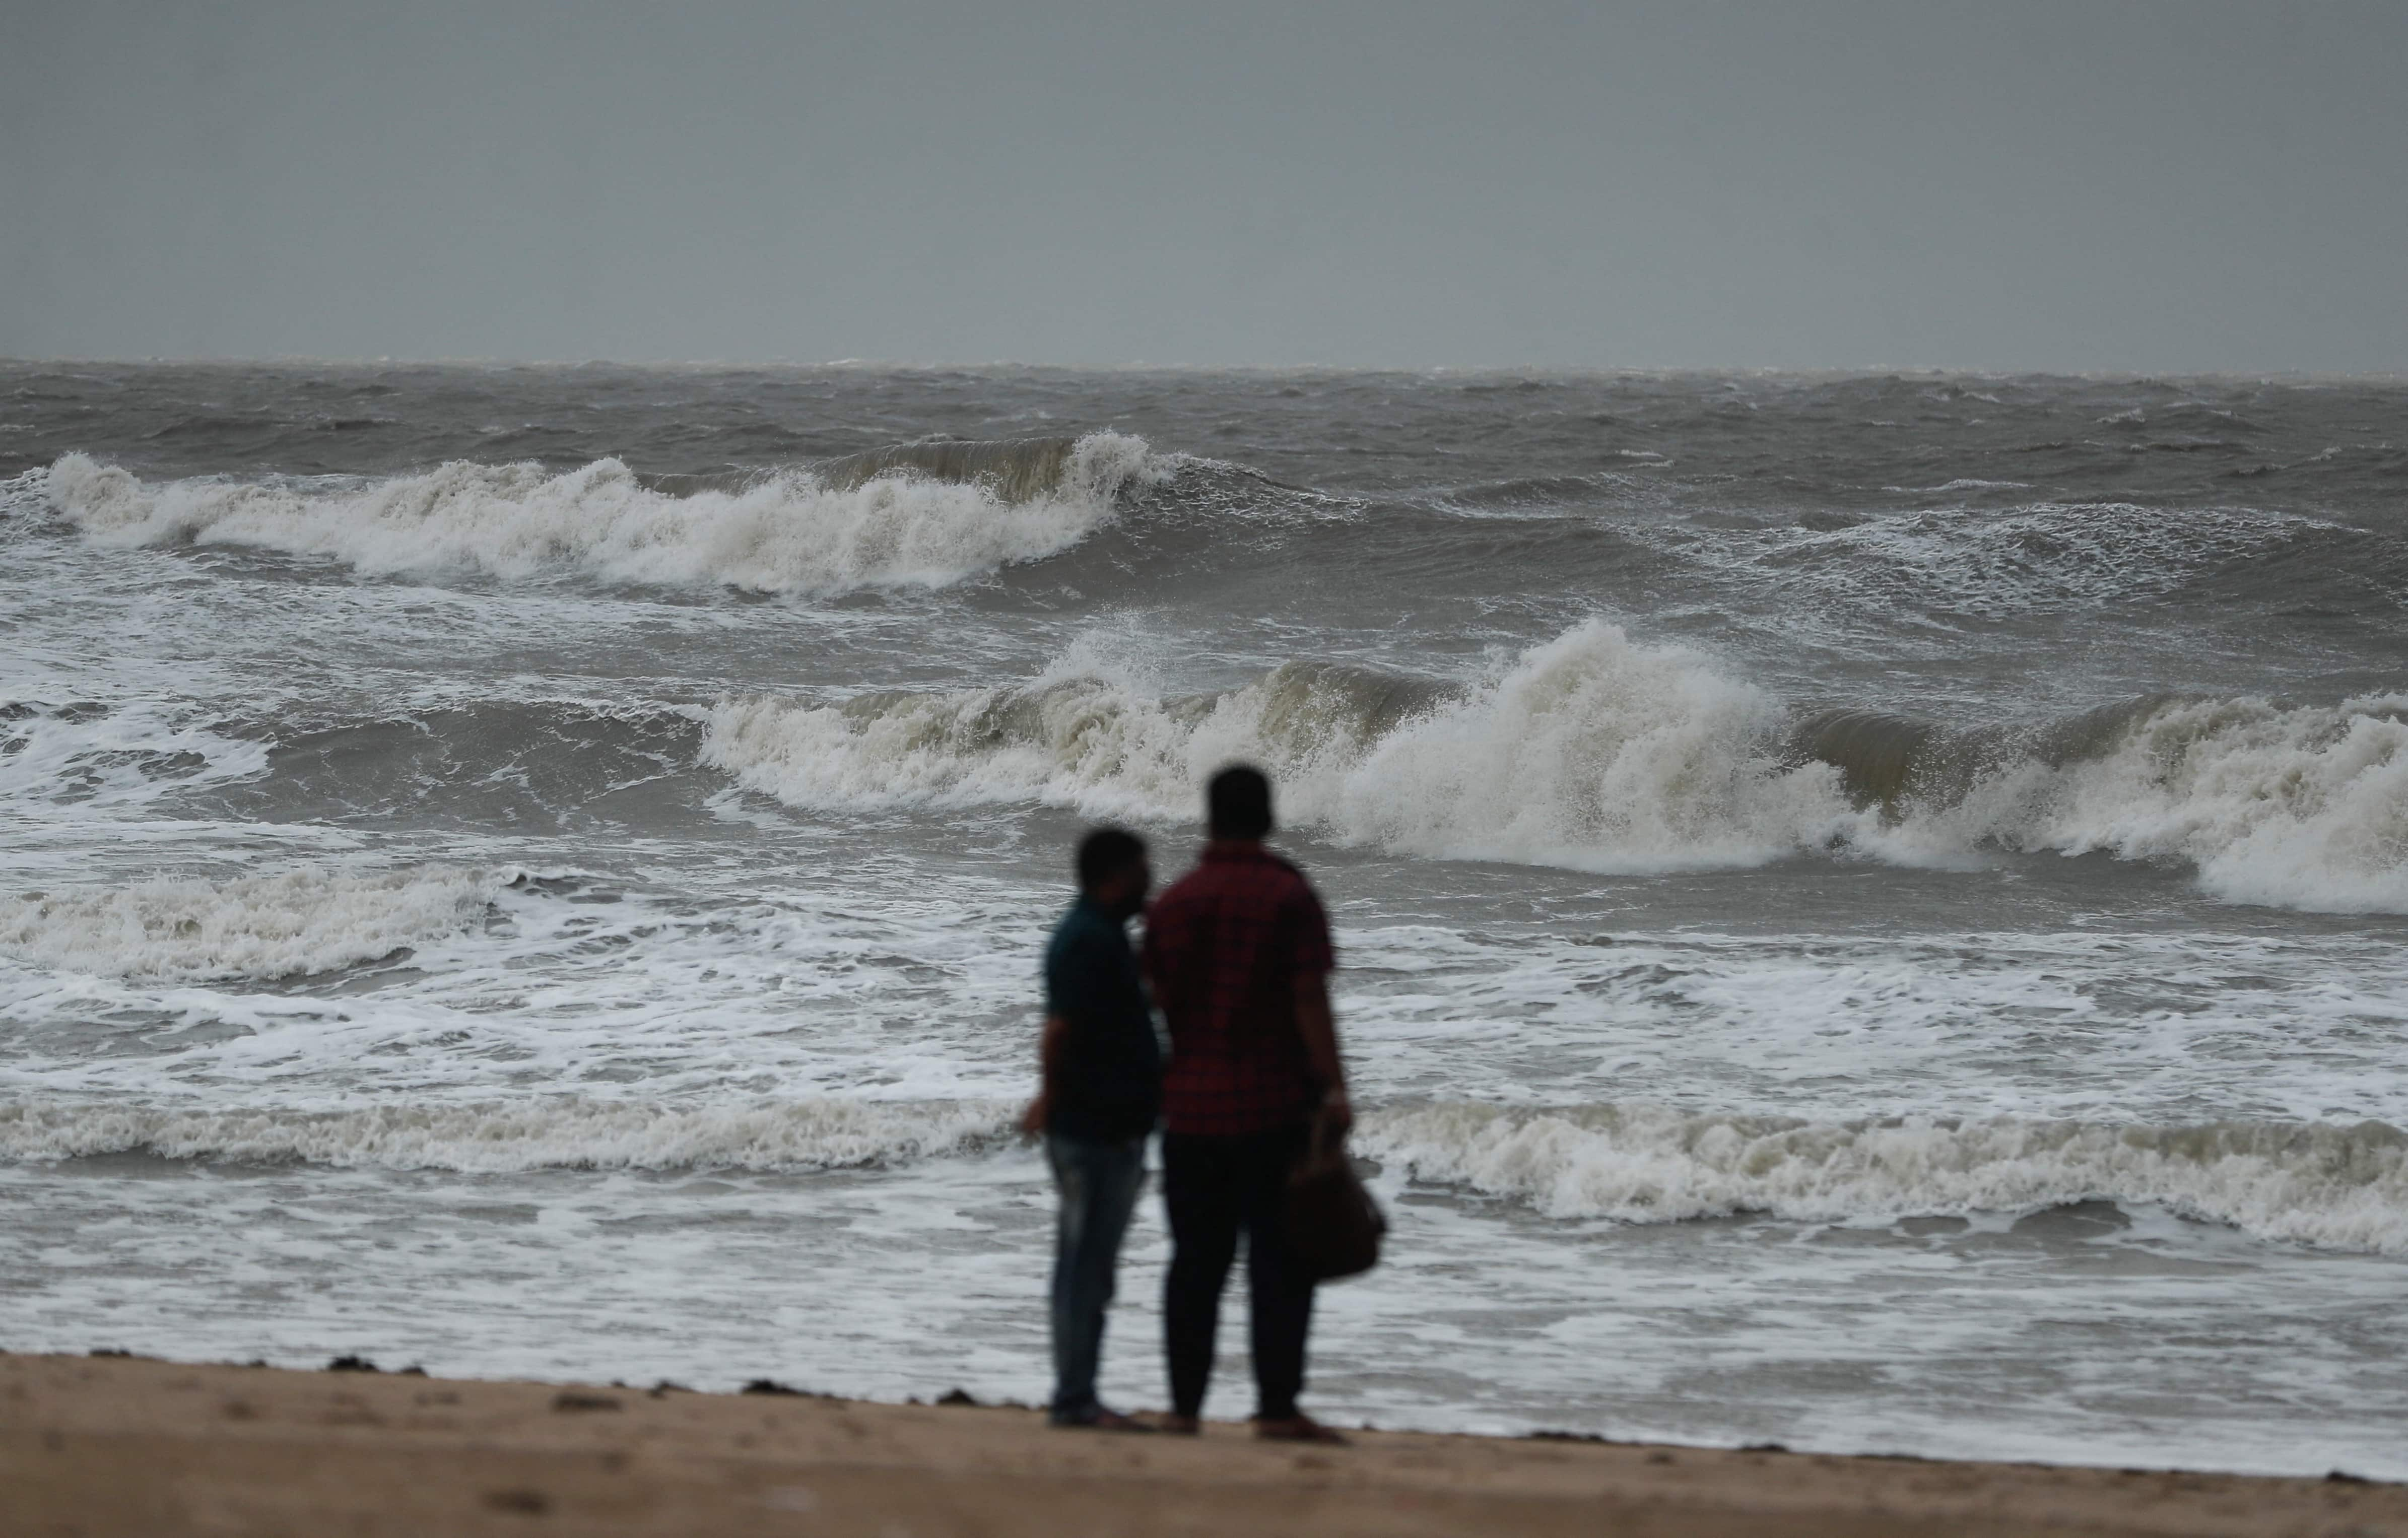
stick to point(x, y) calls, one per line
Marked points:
point(99, 1448)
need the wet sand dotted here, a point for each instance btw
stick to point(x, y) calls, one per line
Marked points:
point(103, 1446)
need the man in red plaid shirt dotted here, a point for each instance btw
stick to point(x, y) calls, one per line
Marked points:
point(1237, 953)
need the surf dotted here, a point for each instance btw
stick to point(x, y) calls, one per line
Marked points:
point(1594, 751)
point(926, 515)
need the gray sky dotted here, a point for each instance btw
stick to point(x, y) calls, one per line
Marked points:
point(2039, 185)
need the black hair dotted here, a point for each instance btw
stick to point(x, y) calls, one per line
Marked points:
point(1105, 854)
point(1239, 803)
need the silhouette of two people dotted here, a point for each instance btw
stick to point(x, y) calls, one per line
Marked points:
point(1237, 957)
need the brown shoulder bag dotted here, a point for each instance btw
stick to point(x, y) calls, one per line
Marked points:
point(1332, 1224)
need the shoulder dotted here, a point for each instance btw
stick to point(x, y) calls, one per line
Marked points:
point(1081, 930)
point(1289, 881)
point(1302, 917)
point(1288, 869)
point(1177, 898)
point(1197, 877)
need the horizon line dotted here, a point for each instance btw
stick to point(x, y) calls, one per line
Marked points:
point(1143, 367)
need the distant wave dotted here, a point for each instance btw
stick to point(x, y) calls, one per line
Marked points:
point(892, 525)
point(2028, 558)
point(249, 927)
point(497, 1139)
point(2344, 1187)
point(1593, 752)
point(74, 757)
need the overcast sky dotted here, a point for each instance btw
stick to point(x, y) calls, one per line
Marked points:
point(2046, 186)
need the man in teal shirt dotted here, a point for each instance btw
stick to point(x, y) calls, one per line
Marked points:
point(1098, 1102)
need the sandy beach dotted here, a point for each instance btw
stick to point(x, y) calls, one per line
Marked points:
point(99, 1447)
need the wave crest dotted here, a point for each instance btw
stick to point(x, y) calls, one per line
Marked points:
point(1595, 752)
point(2335, 1187)
point(2304, 807)
point(2344, 1187)
point(789, 532)
point(1590, 751)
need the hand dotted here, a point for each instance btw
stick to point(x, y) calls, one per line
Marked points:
point(1335, 1110)
point(1032, 1121)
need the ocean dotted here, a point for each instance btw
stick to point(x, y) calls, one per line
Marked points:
point(1869, 908)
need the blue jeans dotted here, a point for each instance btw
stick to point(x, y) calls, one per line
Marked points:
point(1099, 1184)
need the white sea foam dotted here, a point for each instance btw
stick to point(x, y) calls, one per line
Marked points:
point(1967, 482)
point(113, 756)
point(505, 1138)
point(2344, 1187)
point(254, 926)
point(788, 534)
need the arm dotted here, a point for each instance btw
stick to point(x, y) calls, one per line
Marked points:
point(1049, 1057)
point(1070, 971)
point(1320, 1031)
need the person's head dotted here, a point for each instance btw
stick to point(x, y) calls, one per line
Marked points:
point(1238, 803)
point(1113, 872)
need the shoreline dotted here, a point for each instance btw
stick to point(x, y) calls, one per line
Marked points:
point(103, 1445)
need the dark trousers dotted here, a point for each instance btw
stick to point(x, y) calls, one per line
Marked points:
point(1098, 1182)
point(1214, 1188)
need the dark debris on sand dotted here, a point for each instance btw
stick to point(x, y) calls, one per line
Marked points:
point(570, 1400)
point(770, 1386)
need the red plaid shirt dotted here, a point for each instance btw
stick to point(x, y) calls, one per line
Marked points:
point(1223, 947)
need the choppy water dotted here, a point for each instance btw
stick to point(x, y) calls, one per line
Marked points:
point(1869, 907)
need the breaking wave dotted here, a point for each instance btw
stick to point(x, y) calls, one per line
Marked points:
point(2342, 1187)
point(499, 1139)
point(1595, 752)
point(799, 531)
point(1590, 751)
point(255, 926)
point(2304, 807)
